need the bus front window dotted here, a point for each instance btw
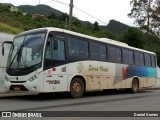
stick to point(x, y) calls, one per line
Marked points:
point(26, 51)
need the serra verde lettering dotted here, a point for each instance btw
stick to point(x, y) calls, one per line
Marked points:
point(100, 68)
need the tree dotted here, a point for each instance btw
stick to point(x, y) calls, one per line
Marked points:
point(77, 22)
point(156, 18)
point(52, 16)
point(89, 26)
point(146, 14)
point(96, 26)
point(134, 37)
point(63, 17)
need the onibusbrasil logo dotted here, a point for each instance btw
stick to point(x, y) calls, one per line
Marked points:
point(80, 67)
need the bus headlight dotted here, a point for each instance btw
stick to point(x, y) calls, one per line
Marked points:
point(6, 78)
point(32, 78)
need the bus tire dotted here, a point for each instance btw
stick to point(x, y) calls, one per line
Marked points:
point(76, 88)
point(135, 86)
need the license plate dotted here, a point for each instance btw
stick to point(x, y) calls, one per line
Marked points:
point(17, 89)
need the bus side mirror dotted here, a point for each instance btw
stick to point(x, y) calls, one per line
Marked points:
point(3, 50)
point(8, 42)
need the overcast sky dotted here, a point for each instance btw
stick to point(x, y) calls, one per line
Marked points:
point(105, 10)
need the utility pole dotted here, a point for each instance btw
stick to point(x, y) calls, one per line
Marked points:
point(148, 17)
point(66, 25)
point(70, 15)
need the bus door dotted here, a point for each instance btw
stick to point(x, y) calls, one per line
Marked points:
point(55, 77)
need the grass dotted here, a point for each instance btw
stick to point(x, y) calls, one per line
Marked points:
point(9, 29)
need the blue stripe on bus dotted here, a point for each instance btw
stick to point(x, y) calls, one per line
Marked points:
point(140, 71)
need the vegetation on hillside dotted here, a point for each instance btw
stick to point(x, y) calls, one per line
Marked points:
point(9, 29)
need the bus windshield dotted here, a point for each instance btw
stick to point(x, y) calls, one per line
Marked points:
point(26, 51)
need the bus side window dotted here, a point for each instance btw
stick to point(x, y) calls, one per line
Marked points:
point(141, 59)
point(137, 58)
point(95, 50)
point(103, 53)
point(125, 56)
point(111, 54)
point(78, 47)
point(147, 60)
point(73, 47)
point(83, 49)
point(153, 61)
point(118, 55)
point(58, 50)
point(130, 57)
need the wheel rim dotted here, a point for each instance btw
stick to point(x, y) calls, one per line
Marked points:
point(76, 88)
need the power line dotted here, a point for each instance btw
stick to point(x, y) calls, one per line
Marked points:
point(61, 2)
point(88, 14)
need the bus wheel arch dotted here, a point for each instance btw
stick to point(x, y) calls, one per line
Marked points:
point(135, 85)
point(77, 86)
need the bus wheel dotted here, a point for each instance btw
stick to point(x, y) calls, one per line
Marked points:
point(135, 86)
point(76, 88)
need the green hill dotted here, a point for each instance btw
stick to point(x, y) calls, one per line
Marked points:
point(117, 27)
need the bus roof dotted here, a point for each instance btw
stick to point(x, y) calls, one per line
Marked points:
point(105, 40)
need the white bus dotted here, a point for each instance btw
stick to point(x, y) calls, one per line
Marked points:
point(55, 60)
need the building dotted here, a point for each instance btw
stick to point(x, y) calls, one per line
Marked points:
point(37, 15)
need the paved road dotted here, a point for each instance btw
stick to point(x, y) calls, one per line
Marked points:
point(145, 100)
